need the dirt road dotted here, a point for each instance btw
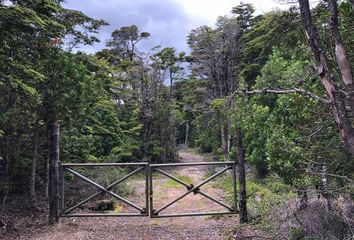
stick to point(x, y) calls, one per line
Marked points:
point(144, 228)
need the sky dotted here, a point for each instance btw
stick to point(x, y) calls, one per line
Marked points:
point(168, 21)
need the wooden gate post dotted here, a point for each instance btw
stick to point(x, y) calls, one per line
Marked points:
point(242, 176)
point(54, 173)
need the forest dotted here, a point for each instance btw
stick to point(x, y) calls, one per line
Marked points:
point(275, 90)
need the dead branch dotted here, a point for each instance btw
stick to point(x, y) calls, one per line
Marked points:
point(333, 175)
point(315, 132)
point(276, 91)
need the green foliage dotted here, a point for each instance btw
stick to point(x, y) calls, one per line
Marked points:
point(40, 83)
point(263, 197)
point(116, 105)
point(274, 139)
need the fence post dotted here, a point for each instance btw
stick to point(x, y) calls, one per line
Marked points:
point(54, 173)
point(242, 176)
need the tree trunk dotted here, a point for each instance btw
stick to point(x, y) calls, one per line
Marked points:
point(7, 164)
point(47, 161)
point(34, 164)
point(242, 176)
point(303, 199)
point(341, 55)
point(324, 183)
point(54, 173)
point(351, 3)
point(224, 141)
point(171, 86)
point(187, 134)
point(325, 74)
point(228, 136)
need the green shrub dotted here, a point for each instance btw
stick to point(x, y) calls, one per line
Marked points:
point(262, 197)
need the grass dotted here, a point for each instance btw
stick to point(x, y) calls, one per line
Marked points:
point(263, 198)
point(170, 183)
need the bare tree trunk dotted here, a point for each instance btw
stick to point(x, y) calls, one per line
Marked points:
point(171, 86)
point(336, 99)
point(54, 173)
point(47, 161)
point(34, 164)
point(351, 3)
point(224, 141)
point(187, 134)
point(341, 55)
point(242, 176)
point(144, 136)
point(324, 183)
point(7, 163)
point(228, 136)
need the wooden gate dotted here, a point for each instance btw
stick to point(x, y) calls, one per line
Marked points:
point(147, 208)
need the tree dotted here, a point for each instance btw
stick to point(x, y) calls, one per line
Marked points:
point(326, 74)
point(124, 41)
point(33, 31)
point(215, 58)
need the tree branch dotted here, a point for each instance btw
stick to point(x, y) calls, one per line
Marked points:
point(276, 91)
point(333, 175)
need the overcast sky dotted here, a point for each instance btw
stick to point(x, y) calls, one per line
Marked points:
point(168, 21)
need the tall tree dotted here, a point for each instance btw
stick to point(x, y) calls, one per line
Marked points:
point(33, 29)
point(326, 73)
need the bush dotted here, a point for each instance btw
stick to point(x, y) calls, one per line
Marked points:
point(263, 197)
point(76, 189)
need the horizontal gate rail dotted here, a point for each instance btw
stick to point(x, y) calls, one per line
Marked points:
point(192, 189)
point(104, 215)
point(191, 186)
point(192, 214)
point(191, 164)
point(103, 164)
point(148, 169)
point(68, 166)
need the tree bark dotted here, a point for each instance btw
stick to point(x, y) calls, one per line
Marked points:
point(242, 176)
point(351, 3)
point(228, 136)
point(324, 183)
point(187, 134)
point(325, 74)
point(54, 173)
point(224, 141)
point(341, 55)
point(34, 165)
point(47, 163)
point(7, 164)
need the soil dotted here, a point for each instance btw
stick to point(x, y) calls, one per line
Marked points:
point(145, 228)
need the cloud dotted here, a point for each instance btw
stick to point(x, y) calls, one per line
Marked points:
point(165, 20)
point(168, 21)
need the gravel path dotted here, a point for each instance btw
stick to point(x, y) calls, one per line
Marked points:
point(144, 228)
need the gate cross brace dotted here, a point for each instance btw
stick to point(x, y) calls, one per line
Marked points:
point(106, 190)
point(192, 188)
point(196, 190)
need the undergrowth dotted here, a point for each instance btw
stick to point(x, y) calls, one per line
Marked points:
point(273, 208)
point(76, 189)
point(263, 198)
